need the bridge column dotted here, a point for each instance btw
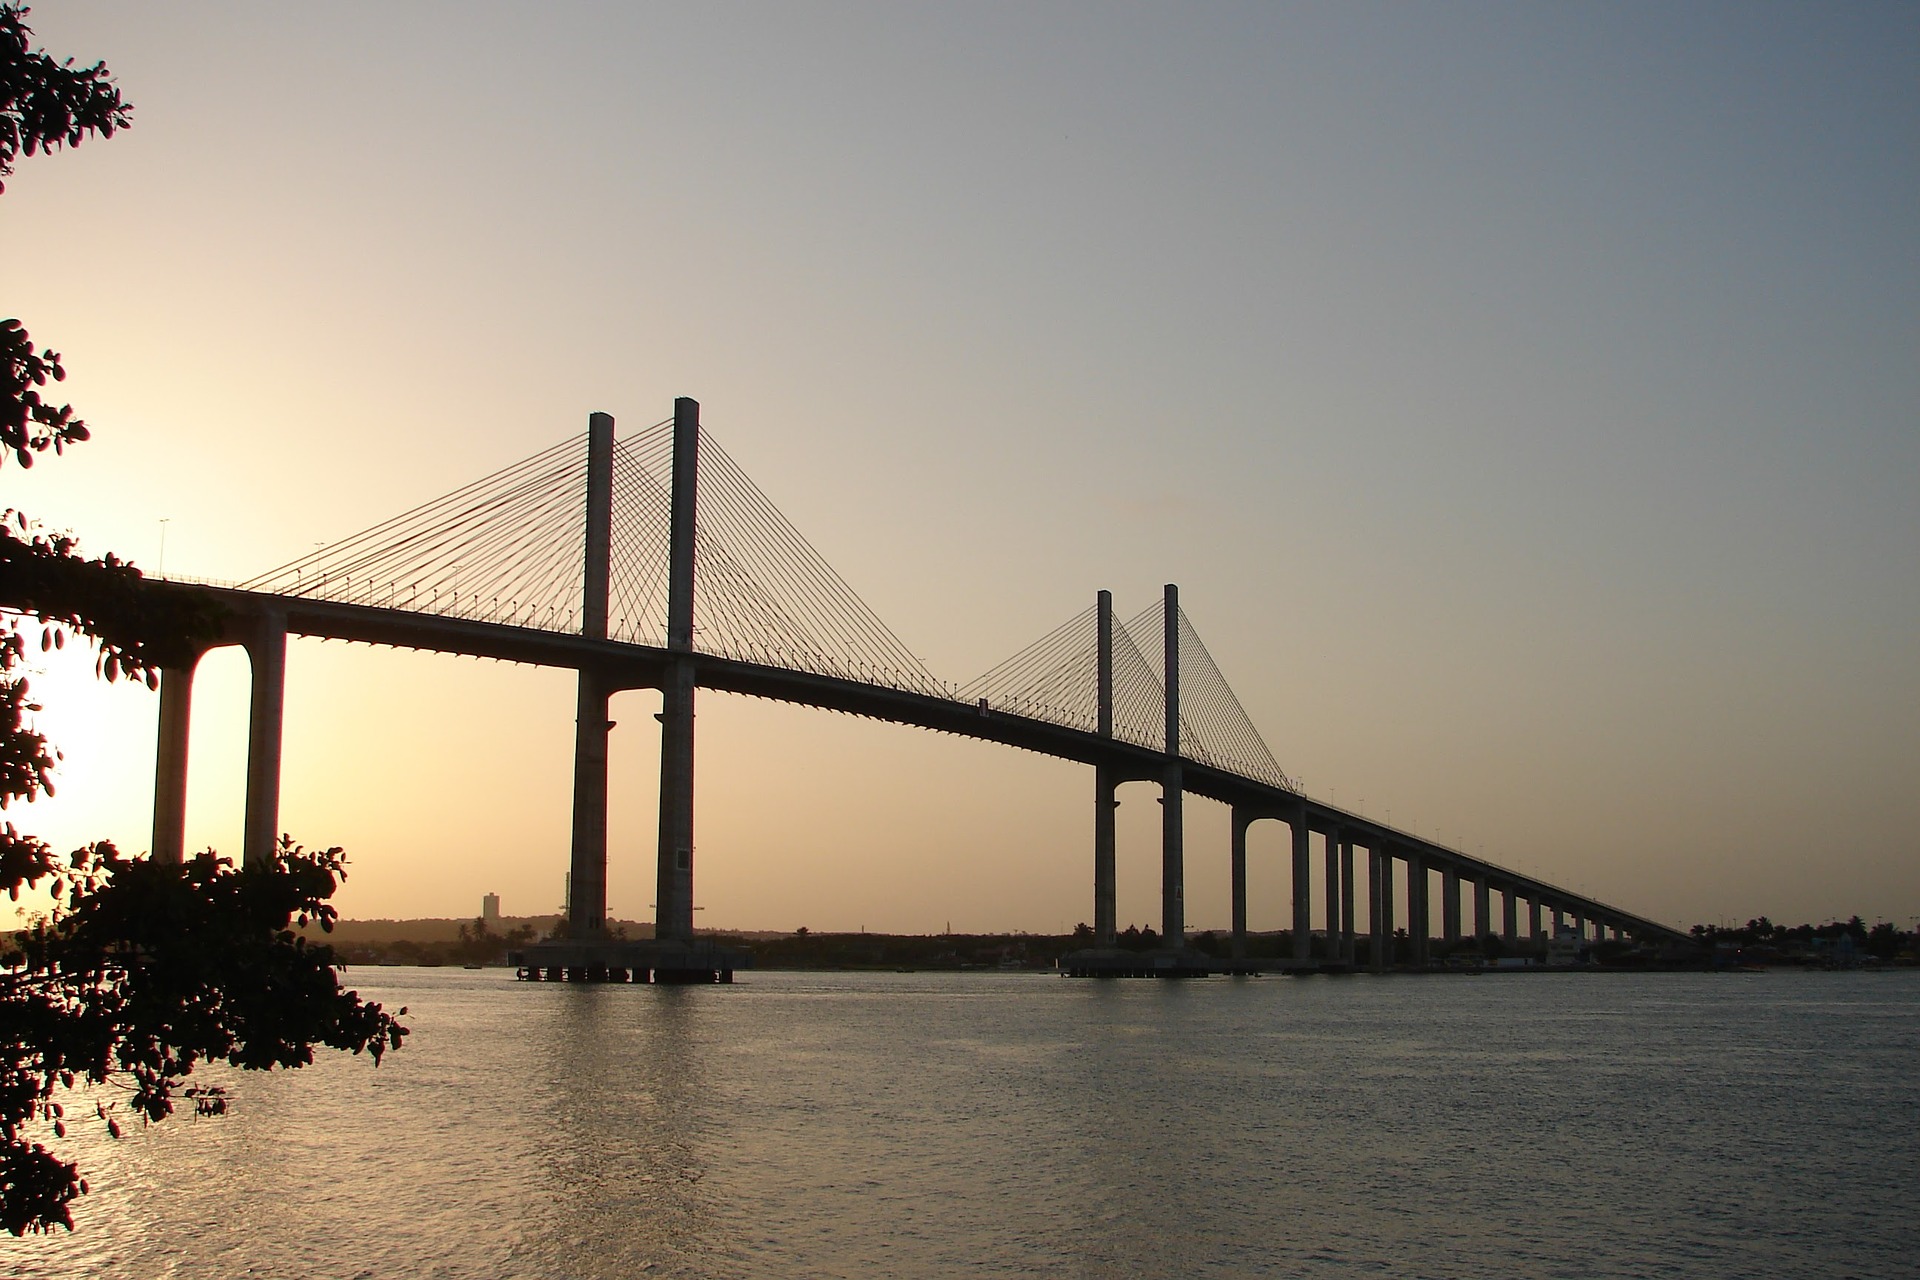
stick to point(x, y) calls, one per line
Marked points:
point(587, 867)
point(673, 901)
point(1346, 899)
point(1105, 787)
point(1376, 917)
point(1419, 912)
point(587, 864)
point(1173, 907)
point(1241, 821)
point(1450, 904)
point(1385, 949)
point(1105, 881)
point(1330, 905)
point(1535, 927)
point(1510, 914)
point(1482, 908)
point(170, 764)
point(267, 651)
point(1302, 888)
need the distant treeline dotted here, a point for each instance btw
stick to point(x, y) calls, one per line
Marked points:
point(1882, 941)
point(804, 949)
point(476, 941)
point(436, 941)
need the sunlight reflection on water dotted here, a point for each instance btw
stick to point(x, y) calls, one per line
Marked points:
point(915, 1125)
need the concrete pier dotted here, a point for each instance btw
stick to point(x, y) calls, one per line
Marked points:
point(1450, 904)
point(1346, 900)
point(1302, 887)
point(1173, 831)
point(1330, 896)
point(1419, 911)
point(170, 765)
point(1385, 866)
point(266, 716)
point(1241, 820)
point(605, 959)
point(587, 863)
point(673, 901)
point(1105, 784)
point(1378, 934)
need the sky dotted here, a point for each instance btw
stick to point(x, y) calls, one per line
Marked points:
point(1525, 399)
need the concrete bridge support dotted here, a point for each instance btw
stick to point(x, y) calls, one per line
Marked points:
point(1377, 930)
point(1331, 896)
point(1346, 900)
point(1450, 904)
point(673, 889)
point(1536, 928)
point(1419, 913)
point(1482, 908)
point(587, 865)
point(1241, 821)
point(1302, 887)
point(170, 764)
point(1105, 788)
point(1105, 881)
point(1510, 915)
point(1384, 950)
point(266, 646)
point(1173, 906)
point(673, 900)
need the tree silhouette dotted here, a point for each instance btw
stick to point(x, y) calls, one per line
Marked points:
point(144, 970)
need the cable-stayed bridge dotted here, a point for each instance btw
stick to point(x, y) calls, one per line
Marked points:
point(653, 561)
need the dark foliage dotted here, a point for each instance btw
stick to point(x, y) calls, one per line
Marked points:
point(45, 103)
point(148, 970)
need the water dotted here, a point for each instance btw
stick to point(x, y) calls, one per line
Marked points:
point(1010, 1124)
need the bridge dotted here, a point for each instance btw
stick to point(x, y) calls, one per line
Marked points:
point(653, 562)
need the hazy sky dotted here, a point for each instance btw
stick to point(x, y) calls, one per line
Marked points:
point(1526, 399)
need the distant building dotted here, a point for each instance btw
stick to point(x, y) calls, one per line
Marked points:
point(490, 908)
point(1564, 946)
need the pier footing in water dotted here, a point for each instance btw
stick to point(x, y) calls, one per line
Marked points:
point(612, 960)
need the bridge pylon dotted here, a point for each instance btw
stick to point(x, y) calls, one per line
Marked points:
point(673, 901)
point(1105, 784)
point(1173, 830)
point(587, 883)
point(673, 954)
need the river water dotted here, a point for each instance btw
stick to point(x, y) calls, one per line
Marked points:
point(1008, 1124)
